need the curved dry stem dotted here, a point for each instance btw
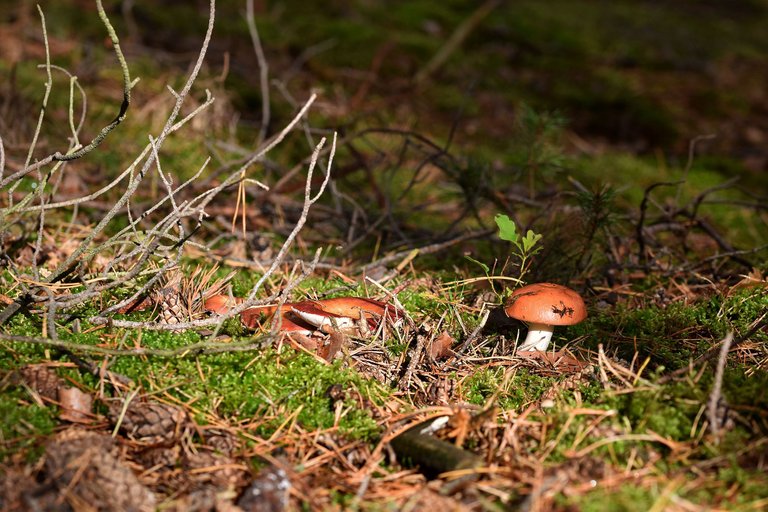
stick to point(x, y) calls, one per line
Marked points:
point(85, 247)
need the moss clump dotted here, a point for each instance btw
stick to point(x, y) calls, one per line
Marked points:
point(22, 422)
point(738, 489)
point(520, 389)
point(671, 336)
point(266, 388)
point(272, 388)
point(626, 498)
point(668, 411)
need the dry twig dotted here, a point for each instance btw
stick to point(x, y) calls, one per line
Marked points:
point(715, 397)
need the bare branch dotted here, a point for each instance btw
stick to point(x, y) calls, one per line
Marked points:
point(193, 350)
point(263, 71)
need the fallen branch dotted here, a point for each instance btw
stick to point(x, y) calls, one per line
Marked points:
point(193, 350)
point(431, 454)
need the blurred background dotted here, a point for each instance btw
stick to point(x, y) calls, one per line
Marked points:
point(585, 121)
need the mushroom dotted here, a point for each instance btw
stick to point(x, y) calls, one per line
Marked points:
point(350, 314)
point(251, 317)
point(221, 303)
point(344, 313)
point(543, 306)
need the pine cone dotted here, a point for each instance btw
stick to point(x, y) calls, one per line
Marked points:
point(159, 457)
point(217, 470)
point(173, 309)
point(85, 469)
point(150, 422)
point(268, 492)
point(223, 441)
point(43, 379)
point(161, 468)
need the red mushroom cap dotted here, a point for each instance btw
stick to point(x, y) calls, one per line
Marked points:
point(221, 303)
point(546, 303)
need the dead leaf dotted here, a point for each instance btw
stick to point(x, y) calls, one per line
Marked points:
point(337, 341)
point(560, 360)
point(440, 347)
point(76, 406)
point(752, 280)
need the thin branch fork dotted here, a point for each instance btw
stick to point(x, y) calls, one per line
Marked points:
point(68, 266)
point(99, 138)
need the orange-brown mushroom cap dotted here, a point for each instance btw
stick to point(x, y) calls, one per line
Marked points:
point(546, 303)
point(221, 303)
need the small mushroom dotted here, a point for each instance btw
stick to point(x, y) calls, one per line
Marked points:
point(293, 324)
point(289, 322)
point(543, 306)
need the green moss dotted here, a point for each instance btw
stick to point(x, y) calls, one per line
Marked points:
point(626, 498)
point(22, 422)
point(168, 339)
point(742, 308)
point(287, 384)
point(641, 330)
point(25, 325)
point(734, 488)
point(669, 411)
point(672, 335)
point(752, 485)
point(243, 283)
point(265, 387)
point(521, 389)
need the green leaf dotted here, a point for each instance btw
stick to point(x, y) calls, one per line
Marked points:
point(530, 240)
point(485, 267)
point(507, 229)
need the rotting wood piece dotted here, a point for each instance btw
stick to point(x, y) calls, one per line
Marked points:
point(432, 455)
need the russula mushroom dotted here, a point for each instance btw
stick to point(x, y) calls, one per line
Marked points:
point(543, 306)
point(345, 312)
point(305, 317)
point(289, 322)
point(315, 314)
point(221, 303)
point(293, 325)
point(251, 317)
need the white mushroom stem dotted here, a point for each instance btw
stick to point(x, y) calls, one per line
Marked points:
point(538, 337)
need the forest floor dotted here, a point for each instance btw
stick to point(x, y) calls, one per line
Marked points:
point(433, 158)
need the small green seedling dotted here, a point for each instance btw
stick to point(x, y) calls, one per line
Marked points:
point(508, 231)
point(526, 246)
